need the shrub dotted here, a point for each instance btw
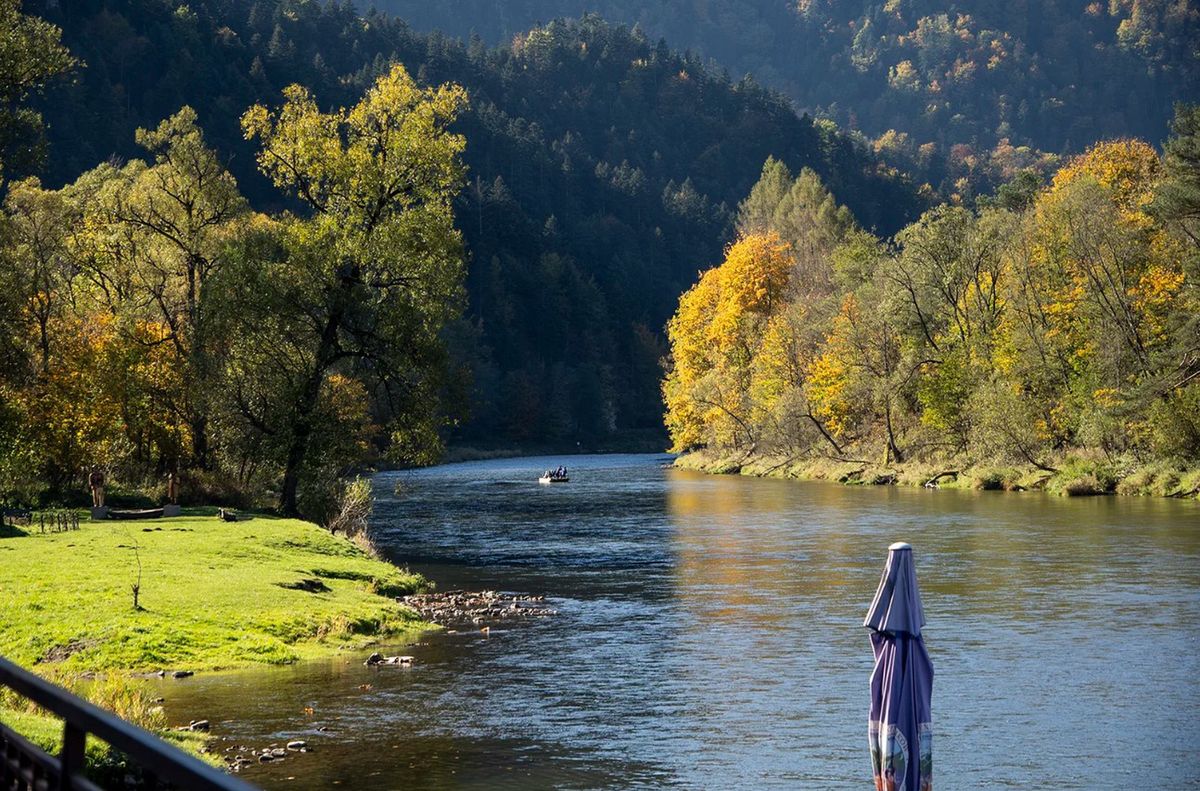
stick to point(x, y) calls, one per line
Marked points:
point(128, 699)
point(202, 487)
point(1080, 476)
point(353, 514)
point(1083, 486)
point(1157, 479)
point(995, 478)
point(988, 480)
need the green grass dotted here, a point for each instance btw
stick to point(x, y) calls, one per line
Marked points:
point(213, 595)
point(46, 732)
point(104, 765)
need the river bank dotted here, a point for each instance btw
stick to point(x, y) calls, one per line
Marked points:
point(211, 595)
point(1070, 475)
point(671, 584)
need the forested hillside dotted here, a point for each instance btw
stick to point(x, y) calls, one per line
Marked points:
point(965, 93)
point(601, 173)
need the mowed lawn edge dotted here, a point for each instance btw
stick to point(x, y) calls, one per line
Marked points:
point(213, 595)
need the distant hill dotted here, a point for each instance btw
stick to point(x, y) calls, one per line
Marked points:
point(604, 169)
point(986, 77)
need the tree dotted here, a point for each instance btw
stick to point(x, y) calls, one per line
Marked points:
point(947, 291)
point(31, 55)
point(37, 266)
point(179, 214)
point(1100, 296)
point(1177, 202)
point(1177, 197)
point(715, 336)
point(357, 290)
point(803, 213)
point(860, 373)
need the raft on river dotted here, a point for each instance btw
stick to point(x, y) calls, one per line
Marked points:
point(553, 479)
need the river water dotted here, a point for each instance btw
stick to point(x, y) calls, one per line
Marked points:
point(709, 636)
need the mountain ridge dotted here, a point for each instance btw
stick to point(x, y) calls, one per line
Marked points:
point(603, 174)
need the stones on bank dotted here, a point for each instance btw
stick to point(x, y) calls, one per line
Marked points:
point(459, 608)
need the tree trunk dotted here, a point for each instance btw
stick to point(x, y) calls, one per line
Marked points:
point(201, 453)
point(297, 450)
point(893, 450)
point(301, 428)
point(828, 437)
point(196, 360)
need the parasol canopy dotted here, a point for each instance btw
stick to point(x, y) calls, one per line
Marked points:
point(900, 726)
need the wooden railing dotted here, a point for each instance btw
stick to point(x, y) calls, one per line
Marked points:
point(25, 766)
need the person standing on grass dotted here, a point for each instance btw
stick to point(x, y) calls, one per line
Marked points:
point(96, 482)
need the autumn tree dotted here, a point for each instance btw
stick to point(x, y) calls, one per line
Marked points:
point(60, 410)
point(715, 337)
point(857, 380)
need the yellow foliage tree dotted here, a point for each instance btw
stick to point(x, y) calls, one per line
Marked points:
point(715, 336)
point(1098, 279)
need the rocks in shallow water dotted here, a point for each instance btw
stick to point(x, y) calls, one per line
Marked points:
point(182, 674)
point(379, 659)
point(243, 757)
point(475, 607)
point(198, 725)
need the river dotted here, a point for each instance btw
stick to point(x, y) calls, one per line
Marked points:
point(709, 635)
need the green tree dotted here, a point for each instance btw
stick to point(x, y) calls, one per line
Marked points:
point(31, 54)
point(1177, 202)
point(364, 282)
point(177, 216)
point(803, 213)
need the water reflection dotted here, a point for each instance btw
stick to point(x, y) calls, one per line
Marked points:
point(710, 637)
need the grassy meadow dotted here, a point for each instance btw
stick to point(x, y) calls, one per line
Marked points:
point(212, 595)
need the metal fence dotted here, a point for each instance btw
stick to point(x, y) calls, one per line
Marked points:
point(26, 767)
point(57, 521)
